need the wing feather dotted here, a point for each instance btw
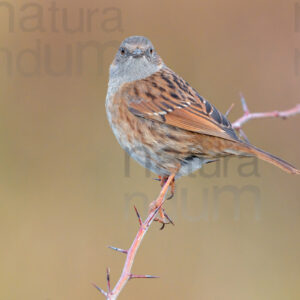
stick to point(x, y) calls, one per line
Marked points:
point(167, 98)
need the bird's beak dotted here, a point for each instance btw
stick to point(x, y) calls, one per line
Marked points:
point(137, 53)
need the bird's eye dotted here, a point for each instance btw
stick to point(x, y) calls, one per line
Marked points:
point(151, 50)
point(122, 51)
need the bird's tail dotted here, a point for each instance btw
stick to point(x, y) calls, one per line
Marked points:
point(271, 159)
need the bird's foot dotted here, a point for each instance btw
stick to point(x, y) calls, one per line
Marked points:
point(165, 182)
point(163, 218)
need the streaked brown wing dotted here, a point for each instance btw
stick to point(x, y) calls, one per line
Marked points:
point(167, 98)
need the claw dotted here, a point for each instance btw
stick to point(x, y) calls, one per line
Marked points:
point(171, 196)
point(163, 219)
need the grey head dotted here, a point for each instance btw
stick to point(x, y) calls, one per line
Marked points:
point(135, 59)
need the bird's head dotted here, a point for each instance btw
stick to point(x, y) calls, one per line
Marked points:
point(136, 59)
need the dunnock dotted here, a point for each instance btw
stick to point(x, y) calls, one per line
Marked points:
point(162, 122)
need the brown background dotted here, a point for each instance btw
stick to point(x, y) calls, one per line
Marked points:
point(64, 193)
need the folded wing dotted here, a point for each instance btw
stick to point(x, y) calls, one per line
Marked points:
point(167, 98)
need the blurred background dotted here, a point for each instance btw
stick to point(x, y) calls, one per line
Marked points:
point(67, 189)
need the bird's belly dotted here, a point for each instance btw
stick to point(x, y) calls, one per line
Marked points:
point(191, 165)
point(145, 150)
point(149, 150)
point(157, 147)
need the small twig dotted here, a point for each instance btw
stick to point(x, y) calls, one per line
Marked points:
point(229, 110)
point(118, 249)
point(100, 290)
point(250, 116)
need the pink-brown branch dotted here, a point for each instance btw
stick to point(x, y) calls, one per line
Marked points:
point(126, 275)
point(237, 125)
point(131, 252)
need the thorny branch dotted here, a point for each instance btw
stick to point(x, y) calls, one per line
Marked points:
point(131, 252)
point(112, 294)
point(237, 125)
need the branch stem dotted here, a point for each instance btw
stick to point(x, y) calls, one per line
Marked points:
point(259, 115)
point(131, 253)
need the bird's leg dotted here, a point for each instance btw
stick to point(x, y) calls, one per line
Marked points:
point(165, 182)
point(165, 185)
point(172, 184)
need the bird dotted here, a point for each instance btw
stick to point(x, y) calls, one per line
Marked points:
point(164, 123)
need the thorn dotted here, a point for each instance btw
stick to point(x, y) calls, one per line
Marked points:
point(229, 110)
point(158, 179)
point(118, 249)
point(99, 289)
point(243, 135)
point(132, 276)
point(172, 185)
point(108, 280)
point(138, 215)
point(244, 104)
point(168, 218)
